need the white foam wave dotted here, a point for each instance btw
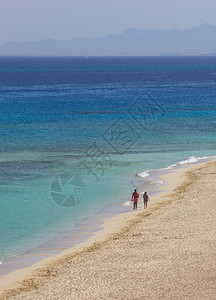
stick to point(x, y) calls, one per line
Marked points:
point(190, 160)
point(143, 174)
point(127, 203)
point(171, 166)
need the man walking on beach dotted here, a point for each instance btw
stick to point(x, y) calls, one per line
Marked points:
point(135, 199)
point(145, 199)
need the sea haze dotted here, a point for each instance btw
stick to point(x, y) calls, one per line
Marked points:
point(194, 41)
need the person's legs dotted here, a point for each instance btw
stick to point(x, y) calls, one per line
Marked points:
point(134, 205)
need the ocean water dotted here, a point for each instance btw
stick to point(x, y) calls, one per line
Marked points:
point(76, 134)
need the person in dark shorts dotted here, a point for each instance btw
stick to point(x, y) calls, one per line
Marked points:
point(135, 199)
point(145, 199)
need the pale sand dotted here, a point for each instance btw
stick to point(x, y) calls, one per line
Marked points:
point(166, 252)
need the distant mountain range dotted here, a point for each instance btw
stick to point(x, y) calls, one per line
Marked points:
point(195, 41)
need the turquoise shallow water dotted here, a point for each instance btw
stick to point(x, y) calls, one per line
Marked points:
point(76, 132)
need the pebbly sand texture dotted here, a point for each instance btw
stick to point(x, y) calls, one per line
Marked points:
point(167, 252)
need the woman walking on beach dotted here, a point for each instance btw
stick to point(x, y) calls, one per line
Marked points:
point(145, 199)
point(135, 199)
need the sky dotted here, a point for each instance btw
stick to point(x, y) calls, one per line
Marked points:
point(31, 20)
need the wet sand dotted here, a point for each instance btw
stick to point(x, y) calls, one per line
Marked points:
point(165, 252)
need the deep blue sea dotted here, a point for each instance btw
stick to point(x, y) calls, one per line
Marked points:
point(76, 131)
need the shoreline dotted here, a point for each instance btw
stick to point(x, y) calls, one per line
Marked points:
point(42, 271)
point(88, 227)
point(80, 232)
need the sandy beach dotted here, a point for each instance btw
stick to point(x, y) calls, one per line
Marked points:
point(165, 252)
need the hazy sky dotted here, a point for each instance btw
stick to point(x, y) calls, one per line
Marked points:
point(25, 20)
